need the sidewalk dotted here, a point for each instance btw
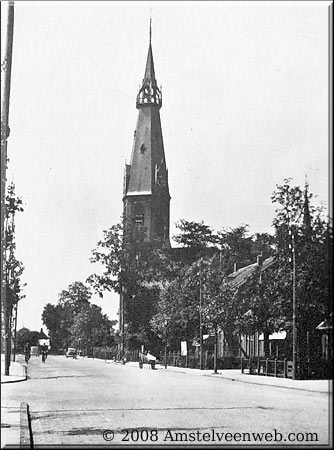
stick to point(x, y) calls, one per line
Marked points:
point(14, 415)
point(17, 372)
point(319, 386)
point(15, 430)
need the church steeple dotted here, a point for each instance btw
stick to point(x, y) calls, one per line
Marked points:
point(146, 193)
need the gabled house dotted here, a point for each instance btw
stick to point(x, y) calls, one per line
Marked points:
point(43, 339)
point(252, 344)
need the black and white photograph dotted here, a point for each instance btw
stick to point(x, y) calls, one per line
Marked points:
point(166, 224)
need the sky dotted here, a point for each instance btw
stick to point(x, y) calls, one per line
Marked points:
point(245, 105)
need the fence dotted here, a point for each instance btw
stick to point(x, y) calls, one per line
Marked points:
point(268, 367)
point(113, 353)
point(306, 369)
point(192, 361)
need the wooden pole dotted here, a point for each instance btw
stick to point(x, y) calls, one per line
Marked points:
point(7, 69)
point(200, 316)
point(294, 322)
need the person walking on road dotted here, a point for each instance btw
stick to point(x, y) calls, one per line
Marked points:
point(44, 353)
point(27, 352)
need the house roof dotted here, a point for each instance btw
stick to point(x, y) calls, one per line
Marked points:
point(42, 335)
point(240, 276)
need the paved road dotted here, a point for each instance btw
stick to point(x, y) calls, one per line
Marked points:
point(75, 401)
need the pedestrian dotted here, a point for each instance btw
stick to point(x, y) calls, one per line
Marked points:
point(44, 353)
point(27, 352)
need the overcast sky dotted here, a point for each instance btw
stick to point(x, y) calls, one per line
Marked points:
point(245, 105)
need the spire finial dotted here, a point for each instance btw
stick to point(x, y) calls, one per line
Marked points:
point(306, 182)
point(150, 26)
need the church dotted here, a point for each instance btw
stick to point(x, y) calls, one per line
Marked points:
point(146, 199)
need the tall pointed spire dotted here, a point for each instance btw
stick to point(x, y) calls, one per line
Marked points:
point(146, 194)
point(149, 93)
point(150, 29)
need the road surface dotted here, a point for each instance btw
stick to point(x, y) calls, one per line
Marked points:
point(85, 401)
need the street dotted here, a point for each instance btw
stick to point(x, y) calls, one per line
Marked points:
point(75, 401)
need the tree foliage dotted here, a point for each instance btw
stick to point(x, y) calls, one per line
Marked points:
point(303, 238)
point(195, 235)
point(135, 269)
point(66, 320)
point(12, 270)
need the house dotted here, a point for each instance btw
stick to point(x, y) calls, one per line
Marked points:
point(43, 339)
point(252, 344)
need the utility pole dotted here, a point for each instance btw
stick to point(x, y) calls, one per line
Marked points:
point(6, 67)
point(294, 308)
point(121, 323)
point(200, 315)
point(294, 321)
point(15, 333)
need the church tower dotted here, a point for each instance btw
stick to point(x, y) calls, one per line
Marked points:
point(146, 199)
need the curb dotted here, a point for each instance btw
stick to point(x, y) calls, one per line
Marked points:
point(248, 381)
point(17, 378)
point(25, 427)
point(295, 388)
point(14, 381)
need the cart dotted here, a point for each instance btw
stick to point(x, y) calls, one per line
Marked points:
point(147, 358)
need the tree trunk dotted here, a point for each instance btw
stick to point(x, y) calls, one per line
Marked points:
point(165, 355)
point(266, 344)
point(7, 340)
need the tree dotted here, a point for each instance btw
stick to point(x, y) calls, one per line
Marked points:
point(76, 297)
point(240, 249)
point(168, 321)
point(219, 302)
point(59, 318)
point(13, 271)
point(135, 269)
point(302, 227)
point(91, 328)
point(195, 235)
point(53, 319)
point(263, 306)
point(23, 336)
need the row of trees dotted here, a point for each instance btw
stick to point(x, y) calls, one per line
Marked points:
point(166, 294)
point(182, 293)
point(75, 321)
point(12, 270)
point(24, 337)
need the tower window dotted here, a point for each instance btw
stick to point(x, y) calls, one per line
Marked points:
point(139, 219)
point(142, 148)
